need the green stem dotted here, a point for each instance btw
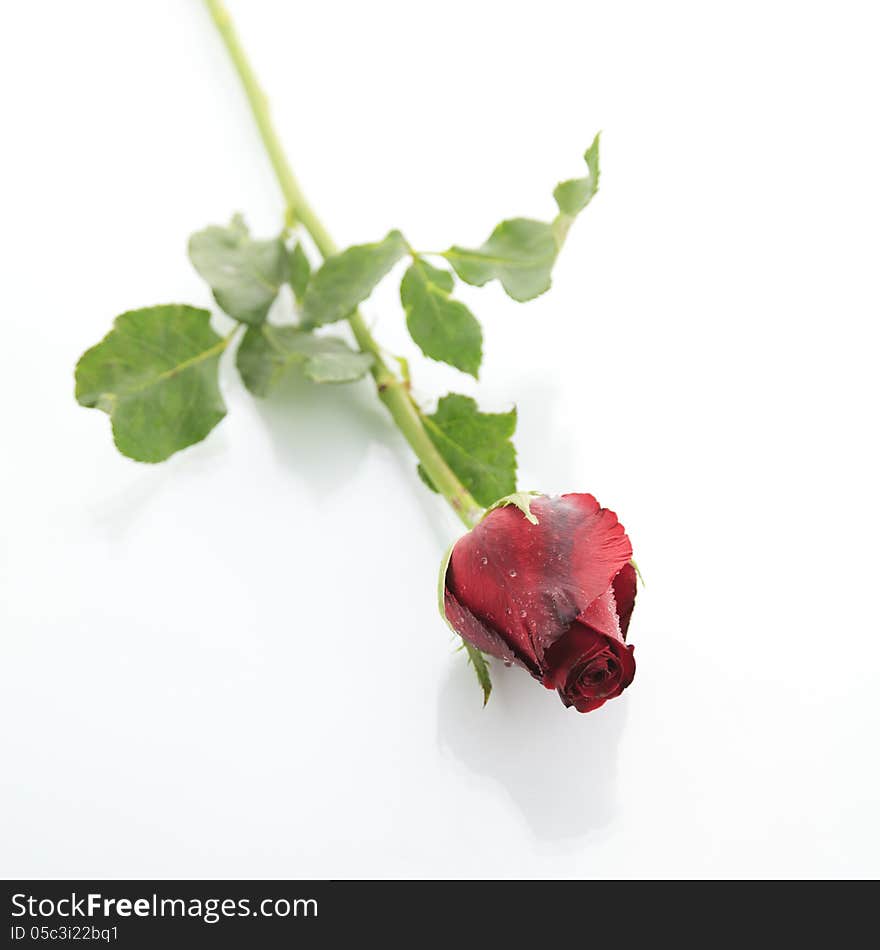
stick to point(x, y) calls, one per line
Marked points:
point(393, 391)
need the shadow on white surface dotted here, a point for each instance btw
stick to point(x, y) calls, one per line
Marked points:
point(559, 767)
point(323, 433)
point(130, 495)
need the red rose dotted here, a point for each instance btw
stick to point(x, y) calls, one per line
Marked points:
point(553, 592)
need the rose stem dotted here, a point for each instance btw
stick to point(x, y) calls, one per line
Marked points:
point(392, 390)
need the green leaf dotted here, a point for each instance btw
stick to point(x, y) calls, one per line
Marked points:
point(268, 352)
point(345, 280)
point(521, 499)
point(481, 668)
point(520, 253)
point(476, 445)
point(299, 270)
point(574, 195)
point(155, 374)
point(245, 275)
point(443, 328)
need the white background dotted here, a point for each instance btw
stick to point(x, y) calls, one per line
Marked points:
point(231, 664)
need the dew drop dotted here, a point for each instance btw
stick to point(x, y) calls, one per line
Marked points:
point(513, 573)
point(523, 613)
point(484, 560)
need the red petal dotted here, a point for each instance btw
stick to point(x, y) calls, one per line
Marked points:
point(529, 582)
point(624, 586)
point(579, 644)
point(601, 616)
point(588, 705)
point(595, 630)
point(471, 629)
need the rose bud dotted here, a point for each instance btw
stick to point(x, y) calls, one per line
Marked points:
point(548, 584)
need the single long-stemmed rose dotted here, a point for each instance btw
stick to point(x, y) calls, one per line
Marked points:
point(156, 375)
point(548, 584)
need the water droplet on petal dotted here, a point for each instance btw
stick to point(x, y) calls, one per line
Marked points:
point(513, 573)
point(484, 560)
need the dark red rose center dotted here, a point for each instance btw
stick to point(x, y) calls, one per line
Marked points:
point(588, 667)
point(599, 677)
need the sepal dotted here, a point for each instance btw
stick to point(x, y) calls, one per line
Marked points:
point(521, 499)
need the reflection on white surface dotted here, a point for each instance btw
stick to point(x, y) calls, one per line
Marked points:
point(232, 665)
point(561, 776)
